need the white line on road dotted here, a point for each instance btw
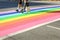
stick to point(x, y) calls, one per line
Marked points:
point(39, 25)
point(53, 27)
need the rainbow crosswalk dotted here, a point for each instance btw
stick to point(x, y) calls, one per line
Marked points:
point(12, 22)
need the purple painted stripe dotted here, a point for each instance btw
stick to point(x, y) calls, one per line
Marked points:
point(12, 11)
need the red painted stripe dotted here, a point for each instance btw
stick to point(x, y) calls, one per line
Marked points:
point(32, 22)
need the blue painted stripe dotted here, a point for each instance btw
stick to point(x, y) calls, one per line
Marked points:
point(32, 10)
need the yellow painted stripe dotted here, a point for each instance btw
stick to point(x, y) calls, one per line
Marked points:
point(21, 17)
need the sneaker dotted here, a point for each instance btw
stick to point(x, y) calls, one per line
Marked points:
point(22, 11)
point(17, 10)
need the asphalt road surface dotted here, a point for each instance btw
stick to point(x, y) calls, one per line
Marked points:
point(6, 6)
point(46, 32)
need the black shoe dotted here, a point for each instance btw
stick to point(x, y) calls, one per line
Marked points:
point(17, 10)
point(22, 11)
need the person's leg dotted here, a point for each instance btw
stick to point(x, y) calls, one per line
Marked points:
point(22, 7)
point(27, 6)
point(19, 5)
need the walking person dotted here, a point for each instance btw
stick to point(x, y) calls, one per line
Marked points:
point(21, 8)
point(26, 6)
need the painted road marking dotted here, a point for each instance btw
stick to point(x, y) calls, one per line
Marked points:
point(39, 25)
point(53, 27)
